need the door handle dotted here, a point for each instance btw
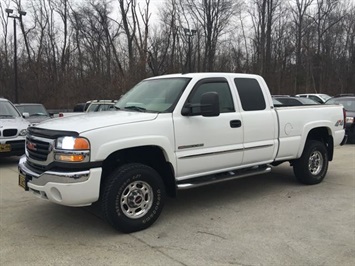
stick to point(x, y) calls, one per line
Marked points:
point(235, 123)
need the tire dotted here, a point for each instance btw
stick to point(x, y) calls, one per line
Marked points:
point(312, 166)
point(133, 197)
point(351, 136)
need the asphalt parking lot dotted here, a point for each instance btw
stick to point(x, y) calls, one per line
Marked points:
point(260, 220)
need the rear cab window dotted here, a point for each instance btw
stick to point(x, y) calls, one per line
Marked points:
point(250, 94)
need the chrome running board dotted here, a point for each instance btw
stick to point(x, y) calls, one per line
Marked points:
point(221, 177)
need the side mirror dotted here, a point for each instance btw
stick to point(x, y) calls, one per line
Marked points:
point(25, 115)
point(210, 104)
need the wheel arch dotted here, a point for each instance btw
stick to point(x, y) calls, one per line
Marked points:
point(149, 155)
point(324, 135)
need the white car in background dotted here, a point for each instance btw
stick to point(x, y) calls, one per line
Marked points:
point(318, 97)
point(13, 130)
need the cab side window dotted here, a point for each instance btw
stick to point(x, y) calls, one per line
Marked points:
point(223, 90)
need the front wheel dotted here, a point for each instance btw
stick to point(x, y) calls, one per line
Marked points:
point(312, 166)
point(133, 197)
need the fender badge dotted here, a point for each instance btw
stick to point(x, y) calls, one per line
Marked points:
point(339, 123)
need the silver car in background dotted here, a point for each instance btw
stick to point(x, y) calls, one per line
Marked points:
point(36, 112)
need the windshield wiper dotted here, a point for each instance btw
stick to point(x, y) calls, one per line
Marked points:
point(38, 114)
point(135, 108)
point(6, 116)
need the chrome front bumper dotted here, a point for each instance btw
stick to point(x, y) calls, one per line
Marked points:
point(50, 176)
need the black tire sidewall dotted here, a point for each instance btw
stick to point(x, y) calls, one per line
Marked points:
point(351, 135)
point(301, 169)
point(118, 181)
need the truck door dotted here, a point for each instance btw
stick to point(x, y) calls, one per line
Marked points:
point(206, 144)
point(259, 123)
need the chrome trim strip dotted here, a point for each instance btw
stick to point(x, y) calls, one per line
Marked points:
point(190, 146)
point(221, 152)
point(258, 147)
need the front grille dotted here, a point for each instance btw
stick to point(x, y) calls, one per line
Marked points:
point(10, 132)
point(37, 150)
point(39, 169)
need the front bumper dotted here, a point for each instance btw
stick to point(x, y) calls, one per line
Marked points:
point(80, 188)
point(17, 148)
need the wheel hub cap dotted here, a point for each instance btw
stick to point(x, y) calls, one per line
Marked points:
point(136, 199)
point(315, 163)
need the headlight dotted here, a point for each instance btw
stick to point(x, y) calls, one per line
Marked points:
point(72, 149)
point(23, 132)
point(72, 143)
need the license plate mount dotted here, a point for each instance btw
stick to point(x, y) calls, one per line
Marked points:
point(22, 181)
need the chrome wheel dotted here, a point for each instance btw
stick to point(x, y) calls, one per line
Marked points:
point(315, 162)
point(136, 199)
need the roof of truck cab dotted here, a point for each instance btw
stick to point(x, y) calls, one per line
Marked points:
point(205, 75)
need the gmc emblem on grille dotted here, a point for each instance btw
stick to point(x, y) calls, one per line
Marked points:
point(31, 146)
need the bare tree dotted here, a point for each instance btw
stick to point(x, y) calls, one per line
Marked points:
point(324, 19)
point(129, 21)
point(4, 51)
point(214, 17)
point(299, 12)
point(263, 26)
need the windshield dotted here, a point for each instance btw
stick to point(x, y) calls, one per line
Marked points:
point(155, 95)
point(325, 97)
point(7, 110)
point(33, 110)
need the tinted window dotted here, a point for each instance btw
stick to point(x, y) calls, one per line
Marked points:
point(250, 94)
point(223, 90)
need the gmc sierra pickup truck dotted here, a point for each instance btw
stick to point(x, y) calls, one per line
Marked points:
point(175, 132)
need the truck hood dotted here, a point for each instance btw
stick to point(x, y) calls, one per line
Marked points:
point(37, 119)
point(95, 120)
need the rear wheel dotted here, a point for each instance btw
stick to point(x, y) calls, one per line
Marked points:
point(312, 166)
point(133, 197)
point(351, 136)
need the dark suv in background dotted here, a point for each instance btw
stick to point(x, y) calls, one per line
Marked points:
point(348, 101)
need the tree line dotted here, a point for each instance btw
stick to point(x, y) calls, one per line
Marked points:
point(70, 51)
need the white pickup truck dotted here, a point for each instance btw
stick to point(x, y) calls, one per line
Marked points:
point(175, 132)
